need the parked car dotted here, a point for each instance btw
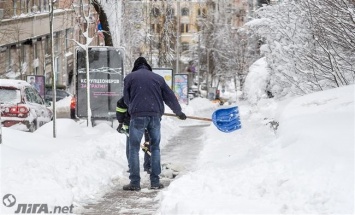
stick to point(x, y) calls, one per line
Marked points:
point(21, 104)
point(61, 93)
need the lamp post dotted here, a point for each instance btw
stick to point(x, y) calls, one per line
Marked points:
point(208, 71)
point(177, 36)
point(54, 80)
point(0, 125)
point(199, 64)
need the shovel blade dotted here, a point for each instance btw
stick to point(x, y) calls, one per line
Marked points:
point(227, 120)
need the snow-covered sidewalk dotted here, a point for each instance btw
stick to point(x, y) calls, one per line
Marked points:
point(307, 166)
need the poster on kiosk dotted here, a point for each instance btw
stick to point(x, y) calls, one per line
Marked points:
point(181, 88)
point(106, 81)
point(167, 74)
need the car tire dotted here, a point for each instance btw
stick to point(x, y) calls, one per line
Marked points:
point(32, 127)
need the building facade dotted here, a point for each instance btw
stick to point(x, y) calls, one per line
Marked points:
point(189, 18)
point(25, 39)
point(172, 30)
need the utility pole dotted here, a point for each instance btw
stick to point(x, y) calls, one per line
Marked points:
point(177, 36)
point(54, 79)
point(118, 25)
point(0, 125)
point(199, 62)
point(208, 71)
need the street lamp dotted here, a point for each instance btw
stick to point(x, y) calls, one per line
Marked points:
point(0, 124)
point(177, 36)
point(208, 71)
point(51, 27)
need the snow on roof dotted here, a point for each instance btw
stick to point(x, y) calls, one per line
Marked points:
point(15, 83)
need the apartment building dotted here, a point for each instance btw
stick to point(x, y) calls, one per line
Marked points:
point(25, 40)
point(177, 20)
point(190, 18)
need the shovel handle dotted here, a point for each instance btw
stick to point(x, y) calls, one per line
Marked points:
point(190, 117)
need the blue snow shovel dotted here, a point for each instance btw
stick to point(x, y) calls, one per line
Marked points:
point(226, 120)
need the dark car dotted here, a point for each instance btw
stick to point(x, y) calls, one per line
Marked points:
point(21, 104)
point(61, 93)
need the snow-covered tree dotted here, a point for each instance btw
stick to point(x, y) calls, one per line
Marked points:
point(166, 35)
point(133, 31)
point(307, 44)
point(230, 50)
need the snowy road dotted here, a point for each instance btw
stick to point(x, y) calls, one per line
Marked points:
point(177, 157)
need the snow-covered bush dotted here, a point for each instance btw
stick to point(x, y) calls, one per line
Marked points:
point(256, 82)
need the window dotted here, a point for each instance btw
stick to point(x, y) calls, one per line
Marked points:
point(185, 11)
point(68, 37)
point(185, 46)
point(201, 12)
point(155, 28)
point(155, 12)
point(35, 54)
point(45, 7)
point(8, 62)
point(30, 96)
point(184, 28)
point(170, 12)
point(38, 98)
point(47, 45)
point(10, 95)
point(14, 6)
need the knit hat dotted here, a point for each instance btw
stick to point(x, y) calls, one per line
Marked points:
point(141, 61)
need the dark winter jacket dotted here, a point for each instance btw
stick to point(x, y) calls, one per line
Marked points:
point(145, 93)
point(122, 114)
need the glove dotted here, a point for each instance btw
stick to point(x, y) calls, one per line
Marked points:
point(145, 147)
point(123, 129)
point(119, 128)
point(182, 116)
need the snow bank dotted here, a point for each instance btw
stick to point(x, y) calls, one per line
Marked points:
point(80, 163)
point(306, 168)
point(76, 167)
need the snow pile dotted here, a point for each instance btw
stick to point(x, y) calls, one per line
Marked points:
point(307, 167)
point(76, 167)
point(79, 163)
point(256, 81)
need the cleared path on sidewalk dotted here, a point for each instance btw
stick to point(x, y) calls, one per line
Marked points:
point(178, 156)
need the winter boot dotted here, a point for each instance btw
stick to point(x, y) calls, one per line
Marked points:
point(131, 187)
point(148, 171)
point(157, 187)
